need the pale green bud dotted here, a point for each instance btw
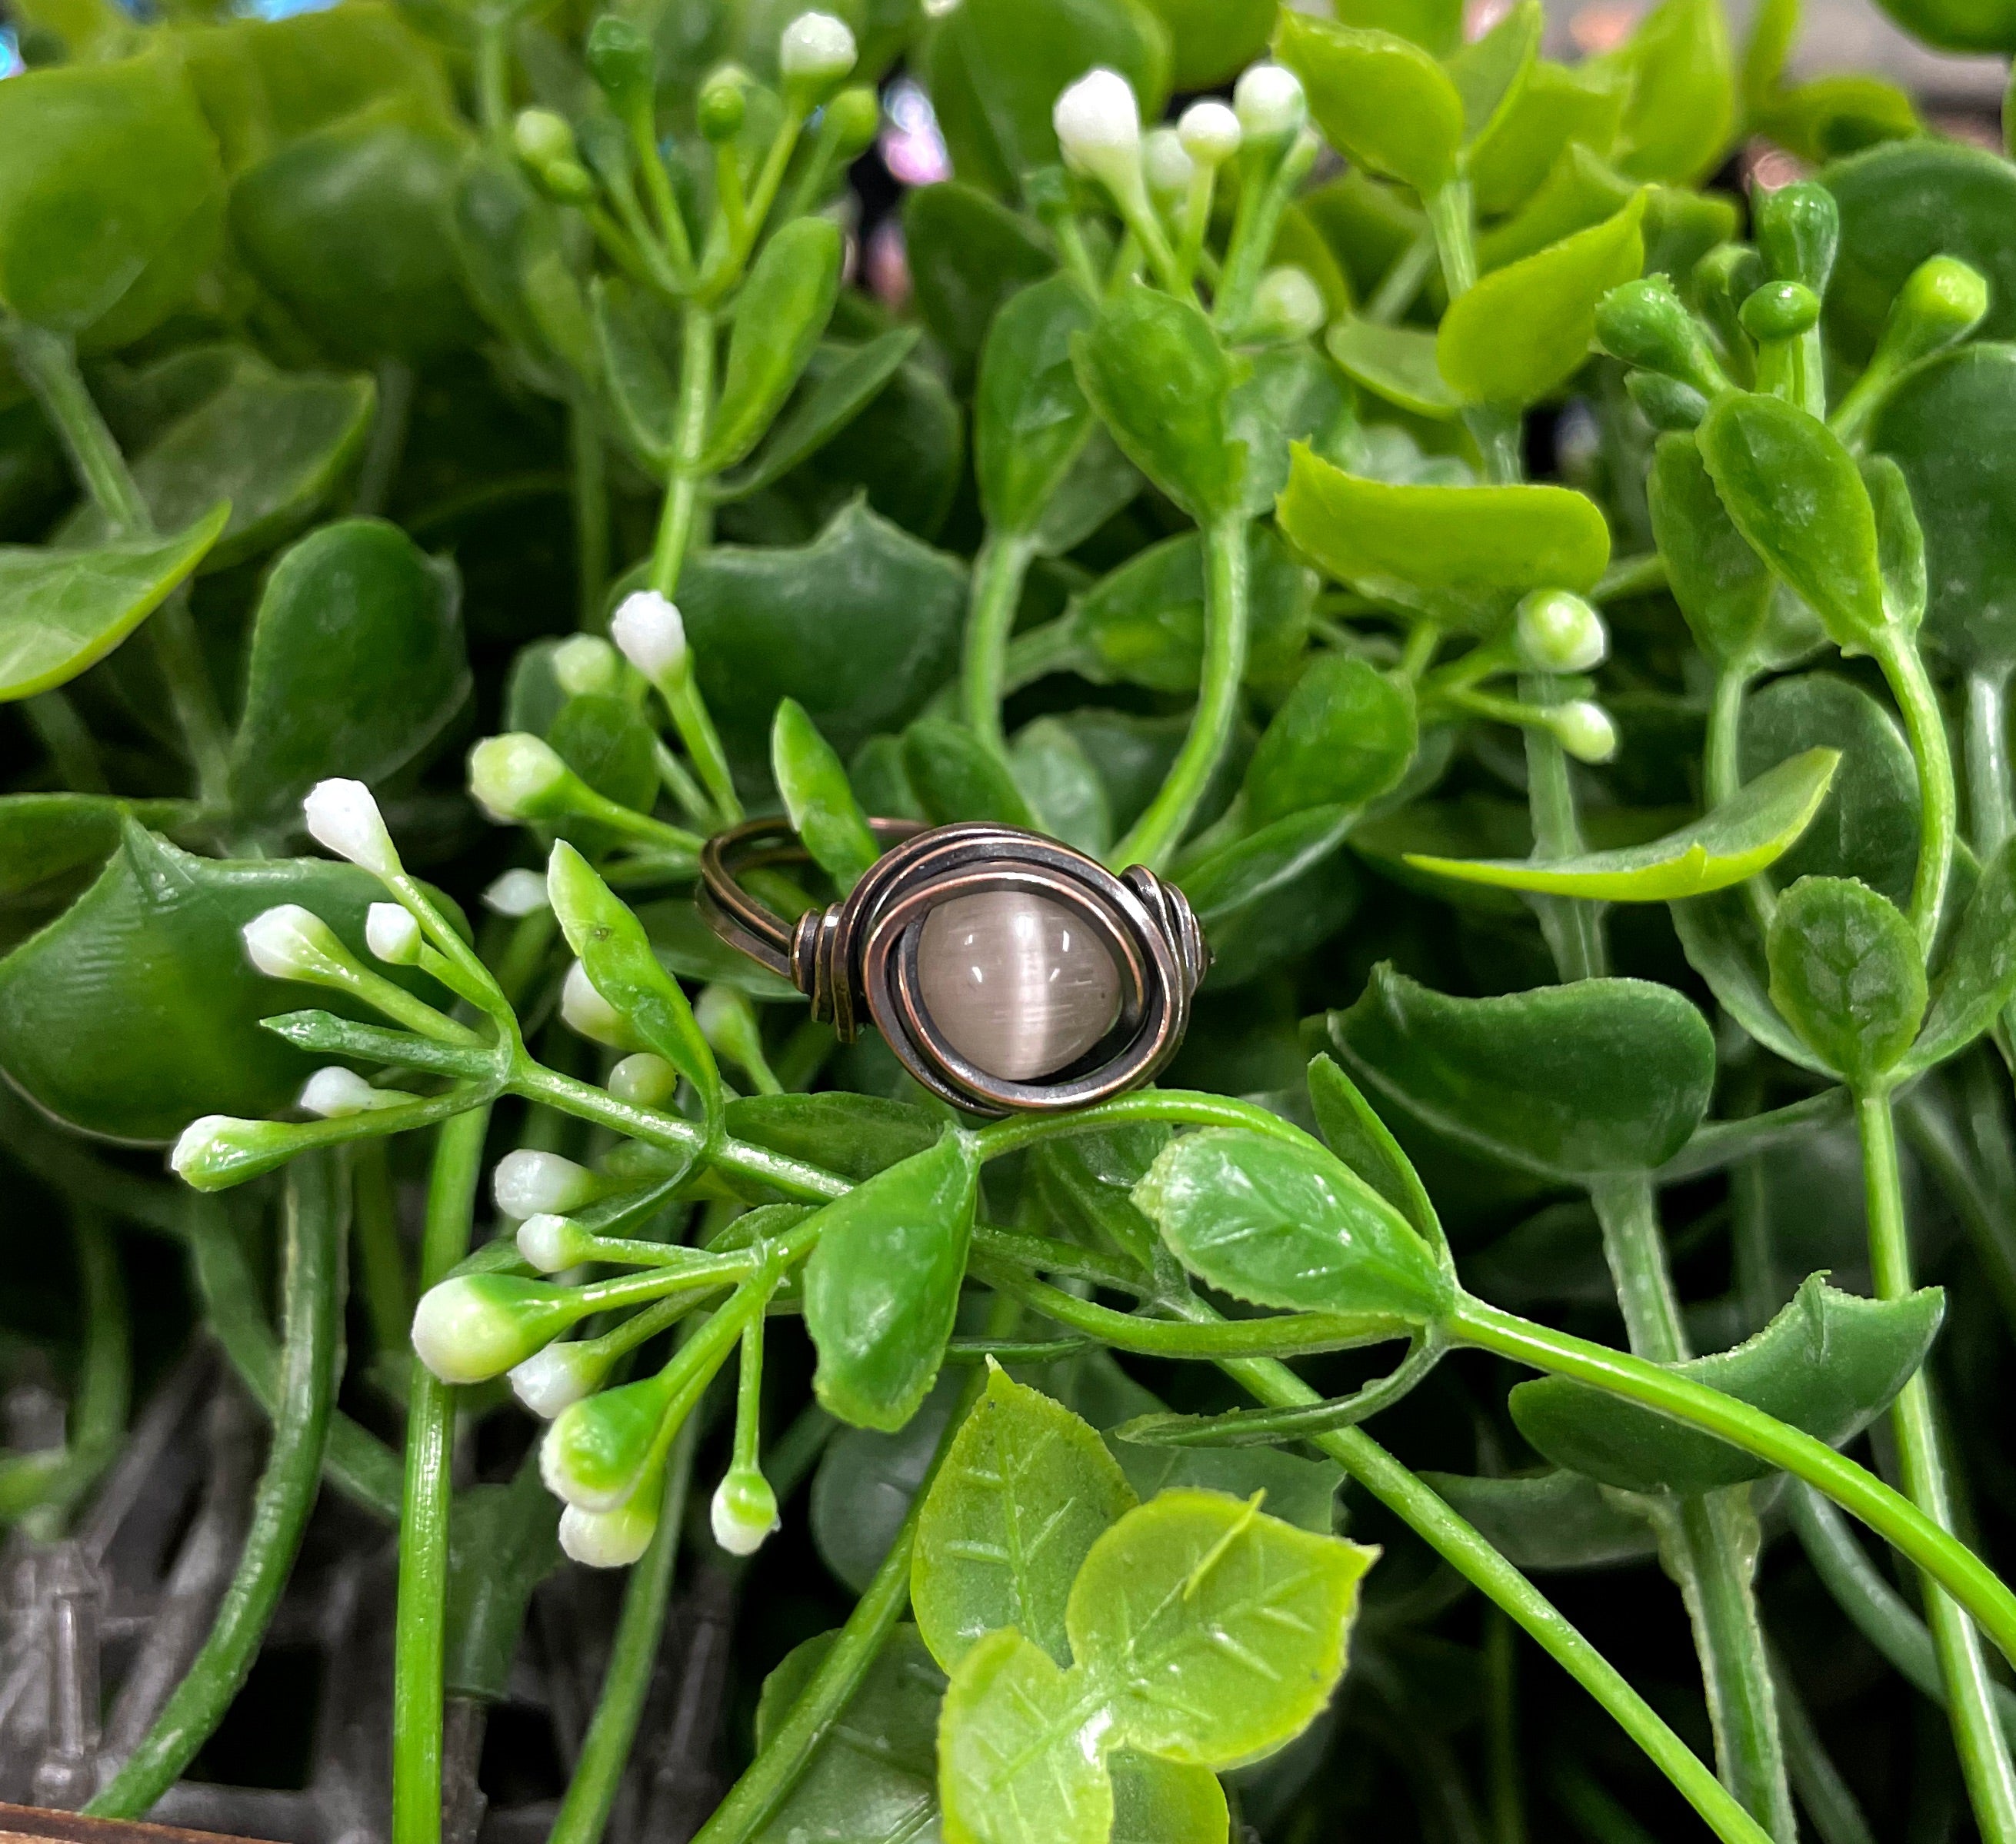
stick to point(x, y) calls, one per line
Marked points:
point(1584, 730)
point(518, 777)
point(585, 663)
point(527, 1182)
point(1559, 632)
point(644, 1081)
point(744, 1512)
point(562, 1375)
point(470, 1327)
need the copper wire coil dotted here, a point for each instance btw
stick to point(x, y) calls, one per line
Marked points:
point(856, 960)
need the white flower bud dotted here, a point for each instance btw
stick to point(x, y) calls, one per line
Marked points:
point(516, 893)
point(466, 1331)
point(1287, 304)
point(549, 1242)
point(1268, 101)
point(1210, 133)
point(644, 1081)
point(335, 1092)
point(1584, 730)
point(1098, 125)
point(509, 776)
point(817, 49)
point(586, 1011)
point(205, 1143)
point(557, 1377)
point(652, 634)
point(392, 934)
point(744, 1511)
point(609, 1539)
point(1167, 167)
point(1559, 632)
point(343, 818)
point(585, 664)
point(541, 137)
point(288, 942)
point(526, 1182)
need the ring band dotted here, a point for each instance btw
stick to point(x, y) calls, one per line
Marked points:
point(1037, 950)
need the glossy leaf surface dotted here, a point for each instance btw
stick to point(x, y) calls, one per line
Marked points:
point(1978, 978)
point(1379, 98)
point(61, 611)
point(818, 797)
point(1465, 554)
point(1846, 975)
point(1830, 1363)
point(1596, 1076)
point(1397, 363)
point(356, 662)
point(883, 1285)
point(1736, 840)
point(1285, 1224)
point(1345, 735)
point(780, 314)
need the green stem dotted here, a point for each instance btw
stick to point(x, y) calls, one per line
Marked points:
point(1925, 725)
point(1880, 1614)
point(1397, 288)
point(1495, 430)
point(998, 574)
point(683, 494)
point(1505, 1779)
point(380, 465)
point(418, 1648)
point(311, 1286)
point(1629, 576)
point(493, 73)
point(1711, 1540)
point(1971, 1166)
point(48, 361)
point(1889, 1514)
point(1574, 928)
point(756, 1796)
point(1157, 833)
point(1826, 1797)
point(1473, 1557)
point(359, 1464)
point(79, 764)
point(381, 1262)
point(52, 1483)
point(605, 1750)
point(1990, 810)
point(1984, 1756)
point(1264, 193)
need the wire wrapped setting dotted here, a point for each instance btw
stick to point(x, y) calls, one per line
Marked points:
point(856, 960)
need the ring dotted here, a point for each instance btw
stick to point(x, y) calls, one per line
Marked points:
point(1008, 973)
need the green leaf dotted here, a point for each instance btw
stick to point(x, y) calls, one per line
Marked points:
point(61, 611)
point(617, 955)
point(1212, 41)
point(136, 1009)
point(957, 777)
point(1064, 790)
point(43, 836)
point(349, 228)
point(1275, 894)
point(780, 314)
point(1436, 25)
point(1580, 190)
point(356, 663)
point(1548, 1520)
point(502, 1543)
point(1979, 976)
point(1525, 329)
point(1900, 545)
point(1218, 1633)
point(840, 384)
point(1380, 100)
point(1566, 1081)
point(1302, 1492)
point(1161, 381)
point(1025, 1490)
point(1908, 200)
point(1842, 113)
point(1946, 426)
point(1397, 363)
point(1556, 108)
point(640, 379)
point(1345, 735)
point(874, 1774)
point(1206, 1633)
point(1284, 1223)
point(1719, 935)
point(1356, 1134)
point(1794, 492)
point(1846, 975)
point(111, 197)
point(995, 70)
point(1143, 622)
point(1867, 827)
point(1464, 554)
point(1830, 1364)
point(860, 626)
point(274, 445)
point(1491, 72)
point(882, 1287)
point(1030, 419)
point(1680, 112)
point(685, 946)
point(818, 797)
point(1748, 832)
point(968, 255)
point(1259, 867)
point(855, 1135)
point(1734, 609)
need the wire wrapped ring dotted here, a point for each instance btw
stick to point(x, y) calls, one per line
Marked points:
point(857, 960)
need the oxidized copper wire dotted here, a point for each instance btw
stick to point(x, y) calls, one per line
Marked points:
point(856, 960)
